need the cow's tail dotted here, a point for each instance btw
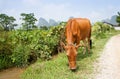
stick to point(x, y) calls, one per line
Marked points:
point(90, 37)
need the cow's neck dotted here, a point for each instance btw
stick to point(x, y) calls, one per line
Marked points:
point(69, 34)
point(69, 39)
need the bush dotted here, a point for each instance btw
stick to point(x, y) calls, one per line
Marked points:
point(20, 55)
point(99, 29)
point(5, 61)
point(21, 47)
point(34, 44)
point(6, 49)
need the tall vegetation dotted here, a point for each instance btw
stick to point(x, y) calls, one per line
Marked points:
point(7, 22)
point(28, 21)
point(6, 49)
point(23, 47)
point(118, 18)
point(85, 62)
point(100, 29)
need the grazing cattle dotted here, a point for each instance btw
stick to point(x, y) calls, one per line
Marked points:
point(76, 30)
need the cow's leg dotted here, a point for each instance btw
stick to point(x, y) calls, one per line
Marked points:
point(85, 46)
point(77, 41)
point(89, 40)
point(89, 44)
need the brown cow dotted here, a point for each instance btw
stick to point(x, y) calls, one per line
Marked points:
point(76, 30)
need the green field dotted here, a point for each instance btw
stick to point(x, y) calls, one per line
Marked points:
point(57, 68)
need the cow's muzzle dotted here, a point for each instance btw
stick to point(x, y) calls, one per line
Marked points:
point(72, 66)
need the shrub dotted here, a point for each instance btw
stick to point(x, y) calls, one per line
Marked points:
point(34, 44)
point(6, 49)
point(21, 47)
point(99, 29)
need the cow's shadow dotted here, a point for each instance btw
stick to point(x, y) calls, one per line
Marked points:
point(82, 55)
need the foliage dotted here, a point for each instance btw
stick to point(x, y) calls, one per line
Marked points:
point(7, 22)
point(62, 23)
point(118, 18)
point(44, 27)
point(29, 21)
point(58, 67)
point(20, 56)
point(5, 61)
point(6, 49)
point(1, 28)
point(100, 29)
point(26, 47)
point(21, 47)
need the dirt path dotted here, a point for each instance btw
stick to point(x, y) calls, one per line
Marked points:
point(109, 62)
point(12, 73)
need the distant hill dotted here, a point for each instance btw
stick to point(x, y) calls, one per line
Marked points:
point(52, 22)
point(43, 22)
point(112, 20)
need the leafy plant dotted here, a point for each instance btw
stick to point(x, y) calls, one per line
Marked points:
point(29, 21)
point(100, 29)
point(118, 18)
point(6, 49)
point(7, 22)
point(35, 44)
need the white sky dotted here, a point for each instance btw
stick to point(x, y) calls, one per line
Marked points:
point(61, 10)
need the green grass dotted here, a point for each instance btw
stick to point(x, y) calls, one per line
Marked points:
point(57, 68)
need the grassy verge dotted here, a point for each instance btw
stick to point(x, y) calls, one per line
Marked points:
point(57, 68)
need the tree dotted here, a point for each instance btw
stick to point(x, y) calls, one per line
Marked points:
point(7, 22)
point(1, 28)
point(118, 18)
point(28, 21)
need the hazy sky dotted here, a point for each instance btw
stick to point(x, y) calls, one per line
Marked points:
point(95, 10)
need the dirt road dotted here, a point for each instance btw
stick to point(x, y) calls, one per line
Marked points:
point(12, 73)
point(109, 61)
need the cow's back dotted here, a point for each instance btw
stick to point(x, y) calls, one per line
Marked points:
point(78, 29)
point(83, 28)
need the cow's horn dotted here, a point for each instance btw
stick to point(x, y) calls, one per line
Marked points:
point(78, 45)
point(62, 44)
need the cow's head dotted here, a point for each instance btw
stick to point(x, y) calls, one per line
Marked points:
point(71, 52)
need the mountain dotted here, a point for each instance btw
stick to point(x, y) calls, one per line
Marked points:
point(112, 20)
point(43, 22)
point(52, 22)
